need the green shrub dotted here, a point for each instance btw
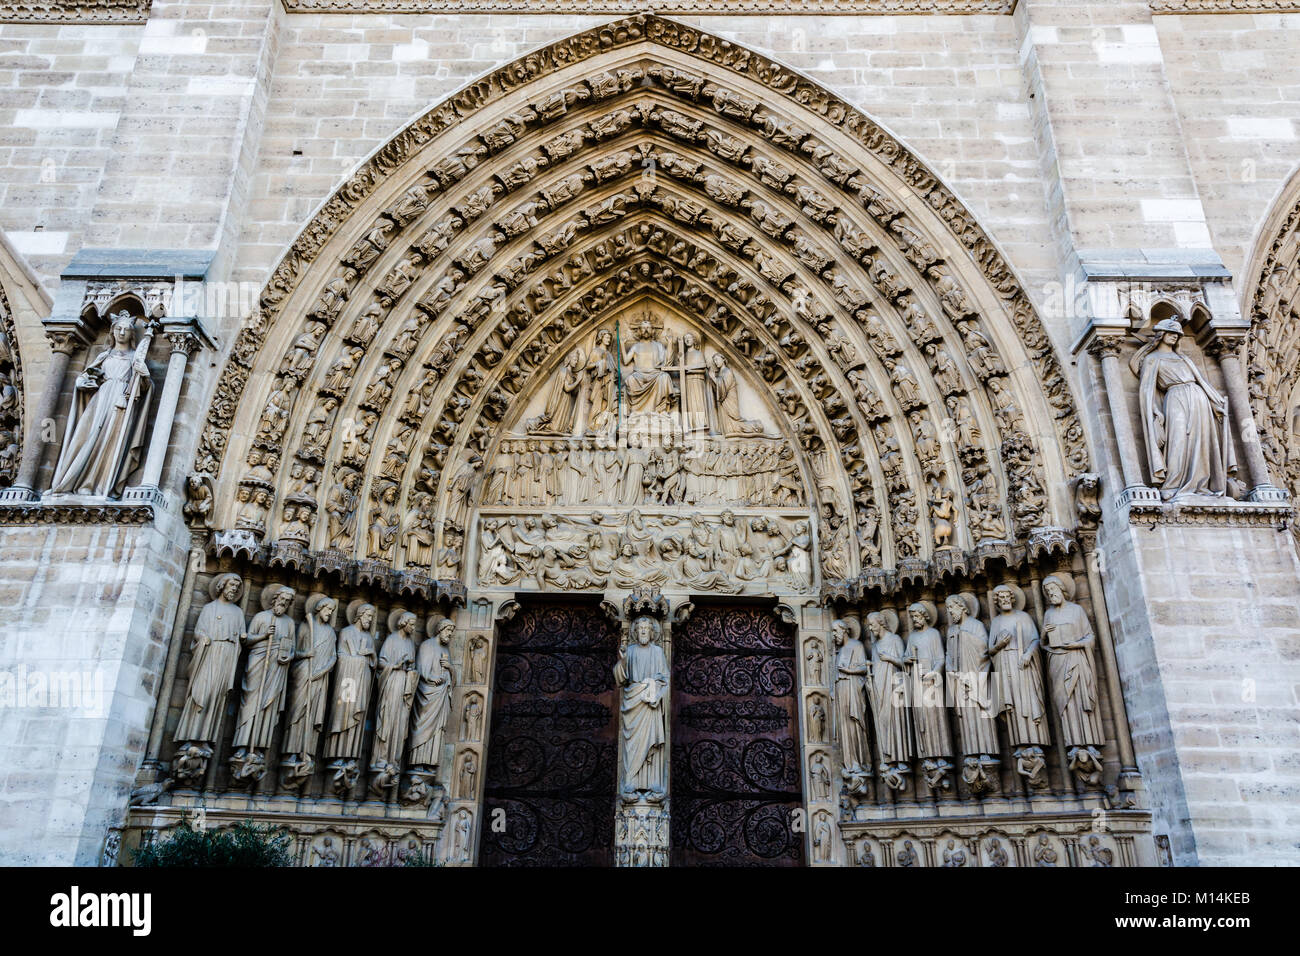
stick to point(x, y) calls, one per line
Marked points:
point(244, 844)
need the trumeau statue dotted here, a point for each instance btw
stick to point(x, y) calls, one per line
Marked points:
point(851, 670)
point(890, 698)
point(642, 673)
point(110, 411)
point(969, 664)
point(1068, 641)
point(1184, 419)
point(925, 664)
point(396, 690)
point(314, 661)
point(1013, 642)
point(214, 657)
point(271, 646)
point(432, 694)
point(354, 674)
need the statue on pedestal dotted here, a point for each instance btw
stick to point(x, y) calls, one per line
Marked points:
point(969, 665)
point(105, 433)
point(851, 670)
point(313, 662)
point(214, 657)
point(397, 679)
point(642, 673)
point(1013, 642)
point(1068, 641)
point(925, 664)
point(890, 698)
point(1184, 419)
point(432, 695)
point(271, 647)
point(354, 672)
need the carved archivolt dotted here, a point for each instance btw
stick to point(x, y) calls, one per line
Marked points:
point(1273, 370)
point(11, 396)
point(500, 241)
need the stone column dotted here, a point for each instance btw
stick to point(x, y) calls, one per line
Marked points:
point(183, 343)
point(64, 343)
point(1225, 351)
point(1106, 349)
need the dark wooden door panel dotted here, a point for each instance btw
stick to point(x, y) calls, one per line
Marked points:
point(552, 752)
point(735, 757)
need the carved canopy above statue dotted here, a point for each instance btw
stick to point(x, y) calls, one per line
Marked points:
point(641, 224)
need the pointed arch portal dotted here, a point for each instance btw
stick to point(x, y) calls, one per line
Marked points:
point(400, 366)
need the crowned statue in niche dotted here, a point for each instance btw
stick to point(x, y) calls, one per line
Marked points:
point(1184, 419)
point(106, 425)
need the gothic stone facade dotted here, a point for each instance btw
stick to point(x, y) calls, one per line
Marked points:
point(508, 438)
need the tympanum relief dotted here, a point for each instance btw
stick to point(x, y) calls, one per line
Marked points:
point(645, 460)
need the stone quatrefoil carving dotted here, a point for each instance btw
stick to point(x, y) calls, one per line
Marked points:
point(835, 277)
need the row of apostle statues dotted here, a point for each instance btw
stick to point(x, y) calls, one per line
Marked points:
point(723, 553)
point(651, 470)
point(317, 684)
point(975, 673)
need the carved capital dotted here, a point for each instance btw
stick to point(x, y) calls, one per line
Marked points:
point(65, 341)
point(184, 340)
point(1105, 346)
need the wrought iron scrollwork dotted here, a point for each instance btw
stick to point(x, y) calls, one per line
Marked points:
point(552, 754)
point(735, 760)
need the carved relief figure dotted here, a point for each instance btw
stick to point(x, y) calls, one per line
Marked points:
point(642, 672)
point(851, 668)
point(106, 426)
point(271, 644)
point(648, 387)
point(1068, 641)
point(214, 656)
point(1184, 419)
point(727, 401)
point(314, 659)
point(432, 694)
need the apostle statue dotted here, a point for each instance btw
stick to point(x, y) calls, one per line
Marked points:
point(1013, 642)
point(355, 667)
point(646, 383)
point(1184, 419)
point(397, 680)
point(726, 399)
point(890, 698)
point(105, 433)
point(214, 657)
point(271, 645)
point(969, 667)
point(1068, 641)
point(851, 673)
point(642, 672)
point(313, 661)
point(432, 694)
point(925, 664)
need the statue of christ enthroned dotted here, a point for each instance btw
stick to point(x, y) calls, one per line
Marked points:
point(647, 383)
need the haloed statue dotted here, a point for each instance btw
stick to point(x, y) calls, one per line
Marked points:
point(105, 434)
